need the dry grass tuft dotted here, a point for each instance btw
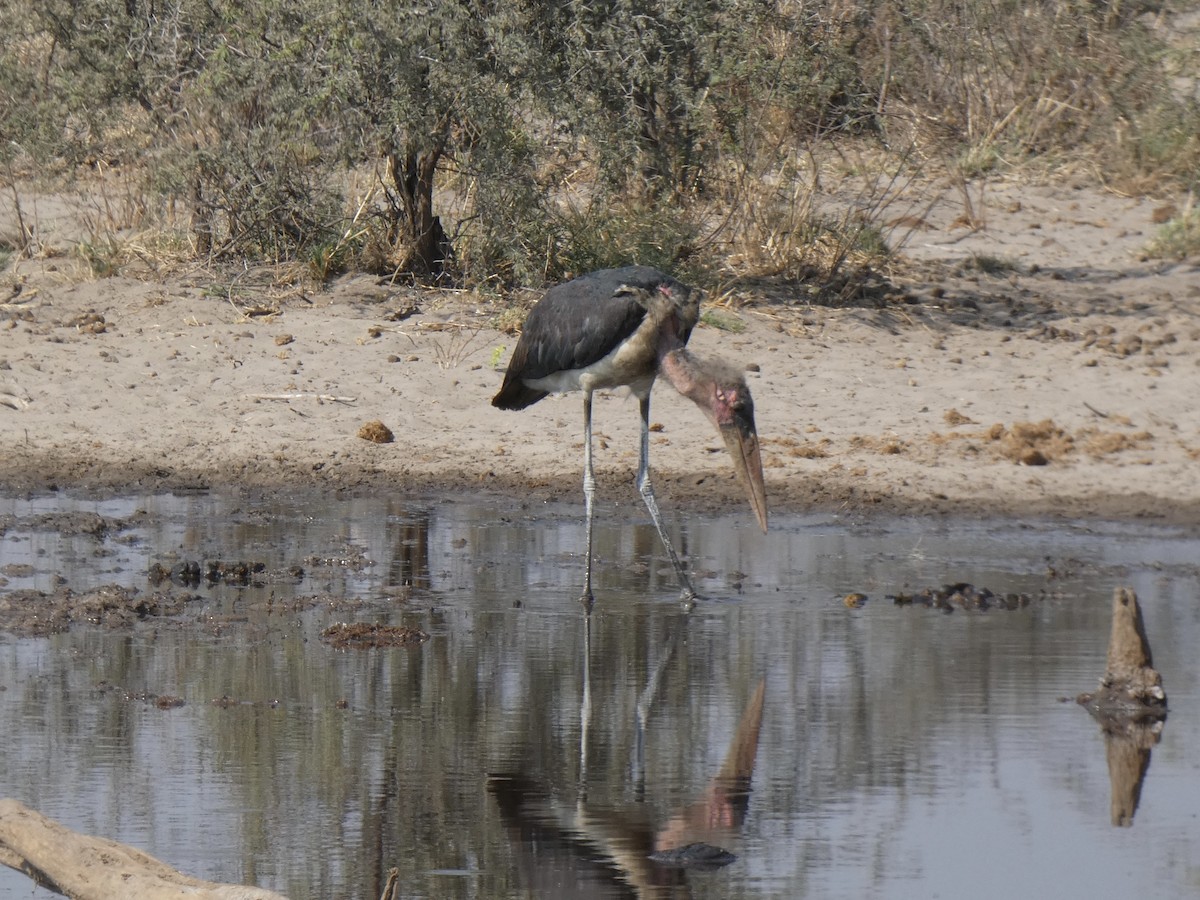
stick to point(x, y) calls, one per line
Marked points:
point(1041, 443)
point(1033, 443)
point(797, 449)
point(1106, 443)
point(887, 445)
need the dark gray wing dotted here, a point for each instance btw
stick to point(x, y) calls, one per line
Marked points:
point(574, 325)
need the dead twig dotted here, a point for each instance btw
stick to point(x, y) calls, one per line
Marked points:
point(324, 398)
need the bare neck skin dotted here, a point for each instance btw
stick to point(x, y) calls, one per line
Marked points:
point(699, 381)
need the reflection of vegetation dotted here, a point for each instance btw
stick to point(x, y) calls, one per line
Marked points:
point(397, 777)
point(320, 800)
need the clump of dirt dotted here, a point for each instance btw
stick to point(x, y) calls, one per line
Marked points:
point(961, 595)
point(161, 701)
point(1103, 443)
point(376, 432)
point(363, 635)
point(350, 558)
point(1051, 333)
point(1041, 443)
point(1032, 443)
point(90, 322)
point(214, 571)
point(790, 446)
point(954, 418)
point(1106, 337)
point(888, 446)
point(82, 523)
point(37, 613)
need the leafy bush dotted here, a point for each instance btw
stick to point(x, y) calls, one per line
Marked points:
point(1179, 238)
point(504, 143)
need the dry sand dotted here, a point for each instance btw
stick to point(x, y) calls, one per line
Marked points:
point(1064, 384)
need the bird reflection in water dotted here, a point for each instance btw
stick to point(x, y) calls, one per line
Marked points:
point(585, 850)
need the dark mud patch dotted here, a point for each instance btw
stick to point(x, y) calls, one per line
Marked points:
point(350, 557)
point(239, 573)
point(962, 595)
point(837, 489)
point(366, 635)
point(88, 524)
point(147, 698)
point(34, 613)
point(30, 613)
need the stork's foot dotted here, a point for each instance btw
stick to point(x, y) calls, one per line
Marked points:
point(688, 598)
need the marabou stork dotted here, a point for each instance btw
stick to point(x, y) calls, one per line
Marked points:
point(625, 327)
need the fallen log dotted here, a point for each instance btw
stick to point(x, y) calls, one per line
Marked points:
point(83, 867)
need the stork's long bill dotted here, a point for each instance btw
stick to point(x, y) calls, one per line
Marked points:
point(741, 440)
point(723, 394)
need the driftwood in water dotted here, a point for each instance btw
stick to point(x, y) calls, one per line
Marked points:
point(391, 886)
point(90, 868)
point(1131, 687)
point(1130, 705)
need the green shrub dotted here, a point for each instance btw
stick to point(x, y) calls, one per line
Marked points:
point(1179, 238)
point(500, 144)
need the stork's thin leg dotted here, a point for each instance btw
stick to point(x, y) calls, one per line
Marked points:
point(688, 594)
point(589, 494)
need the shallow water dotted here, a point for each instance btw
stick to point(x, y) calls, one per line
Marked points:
point(902, 751)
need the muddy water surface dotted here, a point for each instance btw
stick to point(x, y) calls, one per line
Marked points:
point(898, 750)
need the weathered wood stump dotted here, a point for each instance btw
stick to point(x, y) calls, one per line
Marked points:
point(1130, 705)
point(90, 868)
point(1131, 687)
